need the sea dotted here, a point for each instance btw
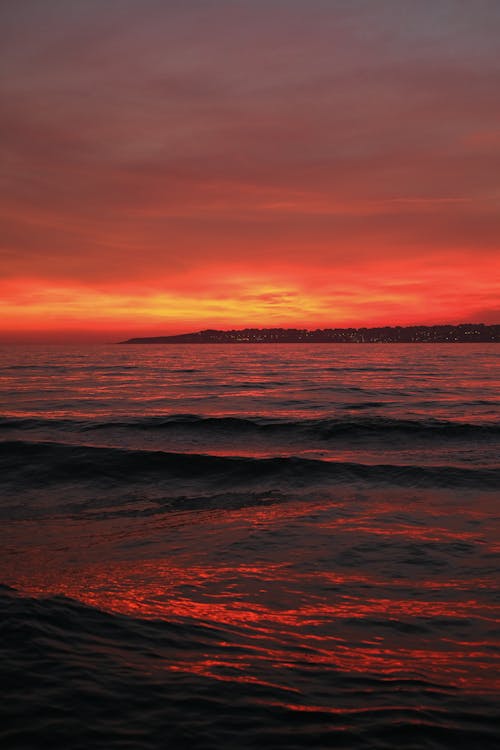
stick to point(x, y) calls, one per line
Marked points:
point(250, 546)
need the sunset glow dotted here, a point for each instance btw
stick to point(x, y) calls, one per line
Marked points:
point(176, 166)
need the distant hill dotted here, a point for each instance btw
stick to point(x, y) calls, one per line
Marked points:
point(464, 333)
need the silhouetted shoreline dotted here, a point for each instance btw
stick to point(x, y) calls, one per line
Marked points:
point(465, 333)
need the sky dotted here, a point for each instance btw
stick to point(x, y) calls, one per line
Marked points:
point(170, 166)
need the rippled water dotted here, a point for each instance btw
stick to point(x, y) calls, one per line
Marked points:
point(279, 546)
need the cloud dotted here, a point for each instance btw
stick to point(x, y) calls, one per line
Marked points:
point(158, 145)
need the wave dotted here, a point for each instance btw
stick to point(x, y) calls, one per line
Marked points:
point(29, 463)
point(321, 429)
point(106, 680)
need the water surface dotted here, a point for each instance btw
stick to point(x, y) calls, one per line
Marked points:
point(240, 546)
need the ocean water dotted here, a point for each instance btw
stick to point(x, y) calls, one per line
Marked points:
point(285, 546)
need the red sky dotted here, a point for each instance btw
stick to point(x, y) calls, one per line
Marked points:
point(176, 165)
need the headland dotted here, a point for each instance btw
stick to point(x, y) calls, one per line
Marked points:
point(464, 333)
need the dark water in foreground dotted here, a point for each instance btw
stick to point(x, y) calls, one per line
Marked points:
point(241, 547)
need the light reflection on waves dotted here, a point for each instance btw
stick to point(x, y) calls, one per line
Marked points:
point(308, 584)
point(253, 650)
point(346, 622)
point(184, 682)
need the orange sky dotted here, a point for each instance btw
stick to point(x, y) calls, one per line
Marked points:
point(171, 166)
